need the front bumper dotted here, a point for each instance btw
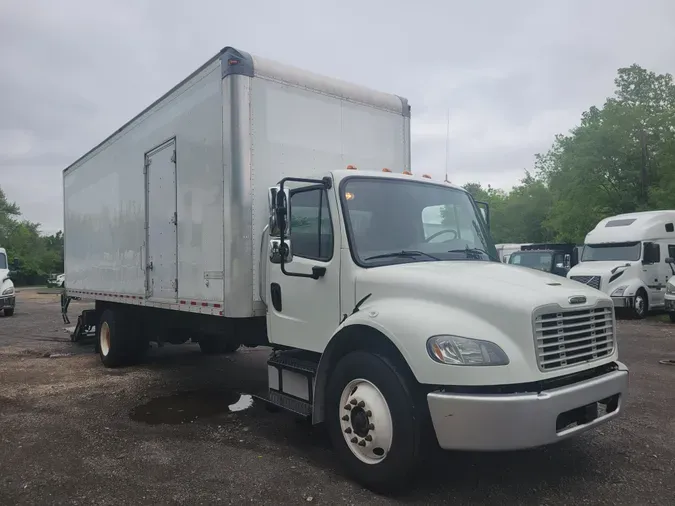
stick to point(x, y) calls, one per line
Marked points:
point(623, 302)
point(670, 305)
point(7, 301)
point(492, 422)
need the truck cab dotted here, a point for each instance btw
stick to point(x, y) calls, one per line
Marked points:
point(557, 259)
point(7, 295)
point(394, 319)
point(625, 256)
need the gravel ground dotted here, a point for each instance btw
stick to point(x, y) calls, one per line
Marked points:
point(182, 429)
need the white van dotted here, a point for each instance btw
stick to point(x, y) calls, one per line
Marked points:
point(505, 250)
point(625, 257)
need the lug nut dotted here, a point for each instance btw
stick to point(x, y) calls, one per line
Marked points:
point(353, 440)
point(353, 402)
point(362, 443)
point(371, 426)
point(346, 418)
point(348, 407)
point(369, 413)
point(348, 430)
point(361, 404)
point(369, 438)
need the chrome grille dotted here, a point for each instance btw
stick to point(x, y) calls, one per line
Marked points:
point(592, 281)
point(571, 337)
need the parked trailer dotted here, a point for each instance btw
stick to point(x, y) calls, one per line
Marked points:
point(224, 214)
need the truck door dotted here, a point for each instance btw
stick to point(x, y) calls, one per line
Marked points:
point(653, 273)
point(161, 223)
point(303, 312)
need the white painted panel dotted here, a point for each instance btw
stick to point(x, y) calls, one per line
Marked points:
point(305, 133)
point(294, 383)
point(104, 197)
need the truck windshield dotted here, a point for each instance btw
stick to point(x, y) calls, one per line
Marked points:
point(534, 260)
point(3, 261)
point(392, 221)
point(611, 251)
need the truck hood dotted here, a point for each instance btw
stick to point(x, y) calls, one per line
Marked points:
point(474, 285)
point(599, 268)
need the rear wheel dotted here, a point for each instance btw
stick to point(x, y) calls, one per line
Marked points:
point(672, 316)
point(119, 339)
point(640, 305)
point(375, 421)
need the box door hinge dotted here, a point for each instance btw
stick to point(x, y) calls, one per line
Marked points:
point(146, 165)
point(173, 156)
point(174, 285)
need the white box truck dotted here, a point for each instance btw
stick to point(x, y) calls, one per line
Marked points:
point(625, 256)
point(224, 214)
point(7, 294)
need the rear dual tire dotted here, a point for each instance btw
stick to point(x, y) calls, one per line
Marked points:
point(120, 339)
point(376, 421)
point(217, 346)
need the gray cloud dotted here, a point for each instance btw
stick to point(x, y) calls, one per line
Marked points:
point(512, 74)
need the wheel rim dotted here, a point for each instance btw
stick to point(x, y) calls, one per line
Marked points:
point(639, 305)
point(104, 339)
point(365, 420)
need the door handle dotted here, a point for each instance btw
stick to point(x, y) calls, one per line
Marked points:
point(150, 266)
point(318, 272)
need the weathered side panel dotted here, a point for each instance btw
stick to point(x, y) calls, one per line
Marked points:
point(104, 197)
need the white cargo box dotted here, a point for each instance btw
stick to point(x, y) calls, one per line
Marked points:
point(169, 210)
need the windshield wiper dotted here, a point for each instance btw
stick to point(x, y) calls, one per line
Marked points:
point(472, 251)
point(403, 254)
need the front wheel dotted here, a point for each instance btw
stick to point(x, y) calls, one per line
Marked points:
point(640, 305)
point(9, 311)
point(374, 421)
point(672, 316)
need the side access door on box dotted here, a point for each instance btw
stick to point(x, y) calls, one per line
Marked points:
point(161, 223)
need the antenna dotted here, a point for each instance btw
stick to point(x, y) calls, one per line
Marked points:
point(447, 144)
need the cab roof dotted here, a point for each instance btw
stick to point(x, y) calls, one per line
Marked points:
point(629, 227)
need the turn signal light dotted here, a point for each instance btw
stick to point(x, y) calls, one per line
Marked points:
point(351, 167)
point(426, 176)
point(386, 170)
point(407, 173)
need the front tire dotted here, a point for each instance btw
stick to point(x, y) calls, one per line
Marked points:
point(9, 311)
point(640, 305)
point(374, 421)
point(671, 315)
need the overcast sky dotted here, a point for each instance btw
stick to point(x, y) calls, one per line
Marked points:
point(512, 73)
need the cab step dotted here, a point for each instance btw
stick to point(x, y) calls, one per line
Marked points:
point(290, 378)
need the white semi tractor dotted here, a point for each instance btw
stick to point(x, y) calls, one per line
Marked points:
point(258, 204)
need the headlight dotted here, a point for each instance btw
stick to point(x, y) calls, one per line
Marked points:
point(670, 289)
point(455, 350)
point(8, 291)
point(619, 291)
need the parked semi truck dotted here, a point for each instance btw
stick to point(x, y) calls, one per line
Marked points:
point(7, 295)
point(556, 258)
point(257, 204)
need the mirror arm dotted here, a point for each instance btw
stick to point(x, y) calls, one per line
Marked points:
point(327, 183)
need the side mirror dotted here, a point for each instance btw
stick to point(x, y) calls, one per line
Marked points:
point(16, 264)
point(485, 212)
point(278, 204)
point(567, 261)
point(670, 260)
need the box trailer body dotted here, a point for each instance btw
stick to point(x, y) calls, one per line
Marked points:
point(168, 211)
point(227, 214)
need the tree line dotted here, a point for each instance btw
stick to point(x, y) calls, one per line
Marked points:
point(620, 158)
point(38, 255)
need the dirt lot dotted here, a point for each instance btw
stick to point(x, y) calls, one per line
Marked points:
point(181, 429)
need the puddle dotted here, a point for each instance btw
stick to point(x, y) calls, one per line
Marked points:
point(187, 407)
